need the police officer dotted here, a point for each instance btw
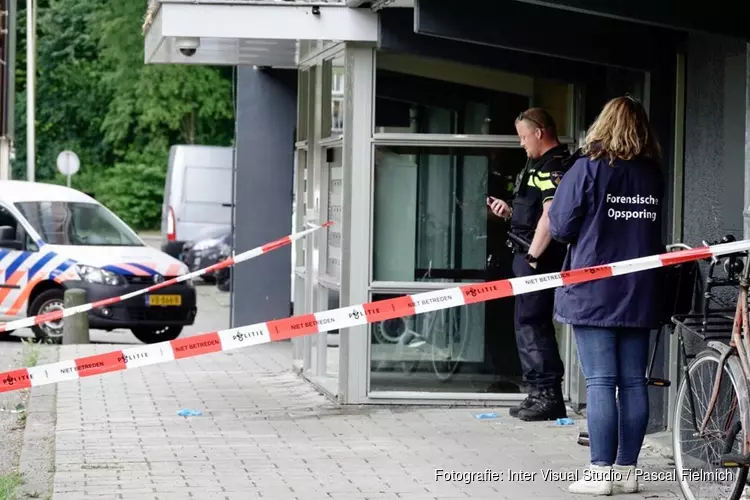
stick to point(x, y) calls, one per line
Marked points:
point(535, 332)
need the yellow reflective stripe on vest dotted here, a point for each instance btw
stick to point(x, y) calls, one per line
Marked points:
point(541, 181)
point(545, 185)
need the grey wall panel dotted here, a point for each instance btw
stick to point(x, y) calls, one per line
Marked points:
point(266, 116)
point(714, 168)
point(711, 146)
point(735, 70)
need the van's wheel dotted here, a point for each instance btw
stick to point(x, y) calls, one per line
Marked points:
point(47, 302)
point(149, 335)
point(224, 286)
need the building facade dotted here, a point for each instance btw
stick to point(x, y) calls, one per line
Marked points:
point(395, 119)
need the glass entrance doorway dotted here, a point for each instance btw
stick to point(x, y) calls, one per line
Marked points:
point(445, 139)
point(432, 226)
point(438, 138)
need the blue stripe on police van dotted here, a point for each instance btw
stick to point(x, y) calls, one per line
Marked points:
point(117, 270)
point(142, 267)
point(3, 253)
point(13, 267)
point(41, 263)
point(61, 268)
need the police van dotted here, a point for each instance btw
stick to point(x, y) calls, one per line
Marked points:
point(53, 238)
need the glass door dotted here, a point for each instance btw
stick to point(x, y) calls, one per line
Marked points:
point(443, 143)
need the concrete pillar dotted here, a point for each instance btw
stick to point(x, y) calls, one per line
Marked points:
point(76, 327)
point(263, 192)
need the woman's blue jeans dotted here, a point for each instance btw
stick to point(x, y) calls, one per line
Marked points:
point(615, 359)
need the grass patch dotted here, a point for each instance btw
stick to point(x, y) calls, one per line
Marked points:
point(30, 355)
point(9, 485)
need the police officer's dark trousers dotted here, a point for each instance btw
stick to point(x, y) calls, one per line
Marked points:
point(535, 332)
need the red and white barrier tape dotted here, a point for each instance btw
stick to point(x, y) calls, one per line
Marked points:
point(241, 257)
point(344, 317)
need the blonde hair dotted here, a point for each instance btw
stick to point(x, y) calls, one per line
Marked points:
point(622, 132)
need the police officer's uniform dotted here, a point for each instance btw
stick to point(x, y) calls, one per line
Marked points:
point(535, 332)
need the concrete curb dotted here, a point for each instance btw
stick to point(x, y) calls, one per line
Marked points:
point(37, 464)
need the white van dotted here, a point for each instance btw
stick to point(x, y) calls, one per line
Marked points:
point(53, 238)
point(197, 193)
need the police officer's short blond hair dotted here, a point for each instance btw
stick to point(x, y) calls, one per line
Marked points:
point(539, 118)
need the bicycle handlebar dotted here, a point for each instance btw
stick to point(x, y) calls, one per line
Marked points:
point(674, 246)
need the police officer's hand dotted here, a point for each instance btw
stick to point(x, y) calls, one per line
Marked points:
point(499, 207)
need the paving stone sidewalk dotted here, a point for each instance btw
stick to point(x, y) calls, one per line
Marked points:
point(266, 433)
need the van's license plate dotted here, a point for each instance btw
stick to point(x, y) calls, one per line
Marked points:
point(163, 300)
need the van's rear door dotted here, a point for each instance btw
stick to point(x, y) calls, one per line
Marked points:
point(207, 198)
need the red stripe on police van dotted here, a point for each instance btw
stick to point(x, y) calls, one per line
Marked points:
point(195, 346)
point(487, 291)
point(100, 363)
point(296, 326)
point(15, 380)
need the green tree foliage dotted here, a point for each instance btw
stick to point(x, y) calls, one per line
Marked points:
point(96, 97)
point(142, 211)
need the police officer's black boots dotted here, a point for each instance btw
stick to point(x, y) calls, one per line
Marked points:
point(548, 406)
point(530, 400)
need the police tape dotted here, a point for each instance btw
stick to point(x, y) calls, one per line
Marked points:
point(343, 317)
point(241, 257)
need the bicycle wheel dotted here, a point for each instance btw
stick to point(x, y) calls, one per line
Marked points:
point(697, 459)
point(449, 338)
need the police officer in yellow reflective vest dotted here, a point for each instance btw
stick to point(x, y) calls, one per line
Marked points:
point(535, 332)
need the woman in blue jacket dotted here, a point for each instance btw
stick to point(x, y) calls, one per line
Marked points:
point(608, 208)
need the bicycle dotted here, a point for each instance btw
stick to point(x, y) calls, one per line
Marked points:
point(728, 459)
point(724, 435)
point(445, 331)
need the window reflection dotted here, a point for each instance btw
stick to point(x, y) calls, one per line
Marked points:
point(335, 71)
point(337, 100)
point(462, 349)
point(431, 218)
point(428, 96)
